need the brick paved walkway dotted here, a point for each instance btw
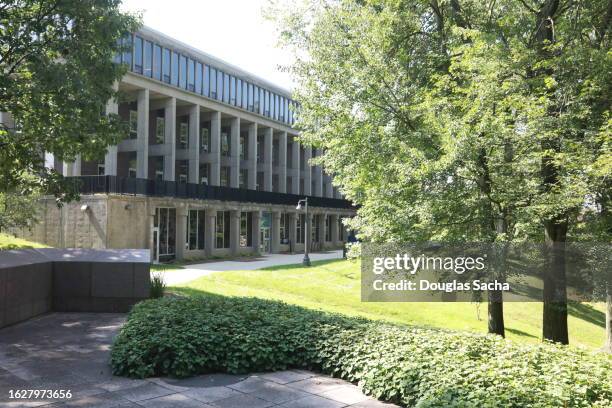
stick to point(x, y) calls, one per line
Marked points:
point(70, 351)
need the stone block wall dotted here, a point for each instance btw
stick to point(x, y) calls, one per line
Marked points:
point(38, 281)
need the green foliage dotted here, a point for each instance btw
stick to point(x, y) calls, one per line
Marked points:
point(56, 76)
point(412, 366)
point(437, 116)
point(158, 286)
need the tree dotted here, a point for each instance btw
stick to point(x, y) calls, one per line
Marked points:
point(56, 76)
point(436, 117)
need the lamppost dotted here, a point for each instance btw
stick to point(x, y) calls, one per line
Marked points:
point(306, 260)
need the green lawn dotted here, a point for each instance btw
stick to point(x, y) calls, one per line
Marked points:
point(10, 242)
point(335, 286)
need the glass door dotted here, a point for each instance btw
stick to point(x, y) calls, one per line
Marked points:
point(165, 230)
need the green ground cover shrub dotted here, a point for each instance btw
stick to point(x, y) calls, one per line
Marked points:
point(413, 366)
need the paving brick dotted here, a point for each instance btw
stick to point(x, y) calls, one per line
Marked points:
point(143, 392)
point(348, 394)
point(317, 385)
point(288, 376)
point(242, 401)
point(210, 394)
point(172, 401)
point(313, 401)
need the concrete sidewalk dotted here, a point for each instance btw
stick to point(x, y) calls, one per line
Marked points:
point(191, 272)
point(70, 351)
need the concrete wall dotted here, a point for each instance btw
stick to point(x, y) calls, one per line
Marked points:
point(38, 281)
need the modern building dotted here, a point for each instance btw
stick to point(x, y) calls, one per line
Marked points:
point(211, 165)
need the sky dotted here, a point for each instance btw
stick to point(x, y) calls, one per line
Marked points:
point(233, 30)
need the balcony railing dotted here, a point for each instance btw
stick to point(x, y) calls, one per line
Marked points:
point(155, 188)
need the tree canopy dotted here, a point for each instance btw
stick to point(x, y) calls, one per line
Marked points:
point(56, 76)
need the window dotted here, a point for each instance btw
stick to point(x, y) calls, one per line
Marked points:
point(157, 62)
point(160, 130)
point(166, 66)
point(261, 101)
point(250, 105)
point(299, 230)
point(225, 176)
point(183, 72)
point(286, 115)
point(132, 168)
point(138, 55)
point(213, 83)
point(101, 169)
point(159, 168)
point(219, 85)
point(198, 78)
point(232, 90)
point(340, 229)
point(191, 75)
point(204, 174)
point(148, 58)
point(328, 228)
point(226, 90)
point(195, 234)
point(205, 139)
point(266, 104)
point(222, 230)
point(284, 228)
point(246, 227)
point(281, 115)
point(127, 54)
point(314, 229)
point(239, 93)
point(245, 95)
point(206, 85)
point(174, 71)
point(225, 142)
point(183, 134)
point(256, 99)
point(244, 146)
point(276, 107)
point(133, 124)
point(183, 171)
point(244, 177)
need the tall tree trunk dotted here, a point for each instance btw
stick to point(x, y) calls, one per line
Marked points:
point(554, 316)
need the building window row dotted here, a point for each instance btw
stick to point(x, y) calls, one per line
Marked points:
point(165, 65)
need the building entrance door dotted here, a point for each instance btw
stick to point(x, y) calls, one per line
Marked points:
point(265, 238)
point(164, 231)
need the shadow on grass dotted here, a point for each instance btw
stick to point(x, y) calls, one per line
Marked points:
point(588, 313)
point(520, 333)
point(300, 266)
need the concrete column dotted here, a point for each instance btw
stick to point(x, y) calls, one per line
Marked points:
point(282, 162)
point(308, 171)
point(275, 233)
point(322, 229)
point(110, 159)
point(142, 142)
point(234, 231)
point(318, 178)
point(181, 232)
point(209, 231)
point(295, 153)
point(334, 229)
point(268, 154)
point(308, 222)
point(194, 144)
point(292, 231)
point(252, 153)
point(235, 153)
point(170, 139)
point(256, 230)
point(215, 149)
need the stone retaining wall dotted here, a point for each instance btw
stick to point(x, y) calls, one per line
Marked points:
point(36, 281)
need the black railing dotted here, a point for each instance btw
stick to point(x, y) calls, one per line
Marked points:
point(155, 188)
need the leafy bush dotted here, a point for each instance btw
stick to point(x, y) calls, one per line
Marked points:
point(158, 285)
point(412, 366)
